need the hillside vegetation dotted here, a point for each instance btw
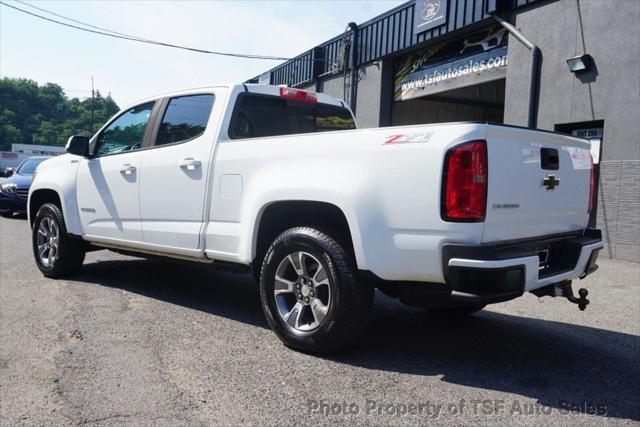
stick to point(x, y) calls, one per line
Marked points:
point(43, 114)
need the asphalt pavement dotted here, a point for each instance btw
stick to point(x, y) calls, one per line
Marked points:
point(139, 342)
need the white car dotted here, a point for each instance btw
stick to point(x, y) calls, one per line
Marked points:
point(449, 217)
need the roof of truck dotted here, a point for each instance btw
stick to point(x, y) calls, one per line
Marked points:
point(249, 87)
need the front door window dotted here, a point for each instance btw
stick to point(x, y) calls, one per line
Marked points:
point(126, 133)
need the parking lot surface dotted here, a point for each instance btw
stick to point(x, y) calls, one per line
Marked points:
point(138, 342)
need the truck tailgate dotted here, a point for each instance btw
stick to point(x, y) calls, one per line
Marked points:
point(539, 184)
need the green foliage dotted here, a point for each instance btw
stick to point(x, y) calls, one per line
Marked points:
point(42, 114)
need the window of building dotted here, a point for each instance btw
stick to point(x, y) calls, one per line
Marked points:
point(126, 133)
point(186, 117)
point(592, 131)
point(262, 115)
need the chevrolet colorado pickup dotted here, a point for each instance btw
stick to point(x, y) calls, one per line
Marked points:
point(449, 217)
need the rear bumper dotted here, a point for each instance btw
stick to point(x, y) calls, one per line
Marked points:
point(495, 273)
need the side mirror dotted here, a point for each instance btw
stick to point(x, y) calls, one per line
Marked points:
point(78, 145)
point(8, 172)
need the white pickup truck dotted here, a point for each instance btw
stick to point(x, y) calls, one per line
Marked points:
point(449, 217)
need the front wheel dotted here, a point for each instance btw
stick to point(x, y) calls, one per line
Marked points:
point(56, 254)
point(309, 292)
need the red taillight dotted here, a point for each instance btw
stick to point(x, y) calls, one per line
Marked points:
point(298, 95)
point(592, 186)
point(464, 193)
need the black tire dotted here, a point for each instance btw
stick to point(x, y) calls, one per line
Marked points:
point(7, 214)
point(348, 310)
point(453, 311)
point(70, 252)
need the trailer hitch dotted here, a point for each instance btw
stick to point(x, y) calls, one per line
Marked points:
point(563, 289)
point(567, 292)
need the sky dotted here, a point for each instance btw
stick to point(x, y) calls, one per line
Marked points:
point(47, 52)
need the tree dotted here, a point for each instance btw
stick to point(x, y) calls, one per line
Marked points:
point(42, 114)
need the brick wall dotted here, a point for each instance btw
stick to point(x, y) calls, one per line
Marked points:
point(619, 209)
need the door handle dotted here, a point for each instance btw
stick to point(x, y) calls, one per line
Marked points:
point(128, 169)
point(190, 163)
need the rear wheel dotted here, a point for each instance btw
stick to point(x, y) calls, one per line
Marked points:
point(56, 254)
point(309, 292)
point(6, 214)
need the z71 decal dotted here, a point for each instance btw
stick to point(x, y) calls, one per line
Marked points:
point(408, 138)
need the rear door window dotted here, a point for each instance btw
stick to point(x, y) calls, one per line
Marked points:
point(185, 118)
point(257, 115)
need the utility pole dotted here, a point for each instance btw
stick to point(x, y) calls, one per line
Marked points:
point(92, 105)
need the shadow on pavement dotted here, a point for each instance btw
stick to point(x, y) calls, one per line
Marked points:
point(560, 365)
point(192, 285)
point(551, 362)
point(17, 216)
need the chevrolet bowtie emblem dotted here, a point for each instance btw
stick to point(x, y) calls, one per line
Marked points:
point(550, 182)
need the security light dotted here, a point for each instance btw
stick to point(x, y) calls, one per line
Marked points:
point(580, 64)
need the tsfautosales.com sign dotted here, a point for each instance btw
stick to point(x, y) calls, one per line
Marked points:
point(475, 59)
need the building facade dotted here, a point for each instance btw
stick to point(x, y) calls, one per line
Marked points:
point(19, 152)
point(567, 65)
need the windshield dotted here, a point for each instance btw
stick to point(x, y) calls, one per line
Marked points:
point(29, 166)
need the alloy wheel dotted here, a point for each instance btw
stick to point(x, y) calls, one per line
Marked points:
point(302, 291)
point(48, 241)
